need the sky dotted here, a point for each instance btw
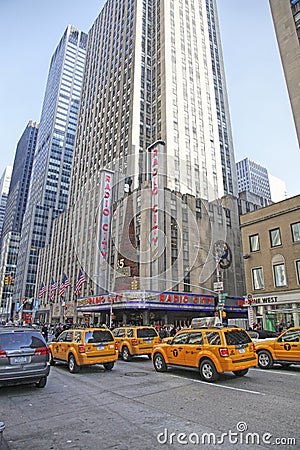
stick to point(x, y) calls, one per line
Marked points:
point(261, 118)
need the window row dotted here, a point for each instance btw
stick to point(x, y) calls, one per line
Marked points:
point(275, 237)
point(279, 275)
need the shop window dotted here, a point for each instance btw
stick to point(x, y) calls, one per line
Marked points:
point(296, 231)
point(258, 278)
point(275, 237)
point(279, 275)
point(254, 243)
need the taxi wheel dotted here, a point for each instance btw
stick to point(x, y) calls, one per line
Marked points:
point(240, 373)
point(108, 366)
point(72, 365)
point(42, 382)
point(265, 360)
point(51, 360)
point(159, 363)
point(126, 354)
point(207, 370)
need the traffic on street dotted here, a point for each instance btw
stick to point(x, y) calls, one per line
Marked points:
point(135, 407)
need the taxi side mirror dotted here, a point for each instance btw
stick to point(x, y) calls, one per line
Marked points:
point(170, 341)
point(54, 340)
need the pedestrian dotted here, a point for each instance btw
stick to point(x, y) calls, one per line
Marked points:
point(45, 331)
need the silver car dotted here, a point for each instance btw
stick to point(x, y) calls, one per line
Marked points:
point(24, 357)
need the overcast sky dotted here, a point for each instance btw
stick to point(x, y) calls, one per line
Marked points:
point(261, 117)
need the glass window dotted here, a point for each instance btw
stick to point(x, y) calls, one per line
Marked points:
point(98, 336)
point(279, 275)
point(180, 338)
point(258, 278)
point(298, 271)
point(195, 338)
point(213, 338)
point(296, 231)
point(275, 237)
point(254, 243)
point(290, 336)
point(146, 332)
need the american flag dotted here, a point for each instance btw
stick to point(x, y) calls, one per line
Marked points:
point(81, 279)
point(52, 289)
point(64, 284)
point(42, 290)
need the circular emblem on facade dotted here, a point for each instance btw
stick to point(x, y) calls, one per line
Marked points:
point(223, 252)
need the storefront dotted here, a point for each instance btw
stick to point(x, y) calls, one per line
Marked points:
point(150, 307)
point(275, 311)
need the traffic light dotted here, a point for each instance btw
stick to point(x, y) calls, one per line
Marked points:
point(134, 284)
point(6, 280)
point(11, 280)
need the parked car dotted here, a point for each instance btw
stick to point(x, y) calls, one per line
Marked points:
point(24, 356)
point(136, 341)
point(284, 350)
point(84, 347)
point(210, 350)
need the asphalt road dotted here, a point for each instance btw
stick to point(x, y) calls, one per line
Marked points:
point(134, 407)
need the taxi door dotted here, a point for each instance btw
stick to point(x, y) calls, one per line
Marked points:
point(193, 346)
point(58, 346)
point(176, 350)
point(287, 346)
point(65, 345)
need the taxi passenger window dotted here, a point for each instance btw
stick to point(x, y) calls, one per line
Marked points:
point(213, 338)
point(290, 336)
point(180, 339)
point(195, 339)
point(69, 336)
point(62, 337)
point(130, 333)
point(121, 333)
point(77, 337)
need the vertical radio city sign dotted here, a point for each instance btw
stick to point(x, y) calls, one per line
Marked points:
point(156, 171)
point(105, 214)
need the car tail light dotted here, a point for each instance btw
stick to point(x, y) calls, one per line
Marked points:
point(224, 351)
point(3, 354)
point(81, 348)
point(134, 342)
point(41, 351)
point(116, 346)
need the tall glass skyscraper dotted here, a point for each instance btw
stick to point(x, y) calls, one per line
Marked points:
point(16, 205)
point(153, 120)
point(48, 195)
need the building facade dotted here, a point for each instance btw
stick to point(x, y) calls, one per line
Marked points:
point(286, 18)
point(271, 245)
point(153, 121)
point(254, 178)
point(16, 205)
point(4, 190)
point(49, 187)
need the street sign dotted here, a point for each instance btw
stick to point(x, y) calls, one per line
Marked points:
point(218, 286)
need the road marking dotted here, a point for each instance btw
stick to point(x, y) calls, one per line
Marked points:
point(221, 386)
point(277, 371)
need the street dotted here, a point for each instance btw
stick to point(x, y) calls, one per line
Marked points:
point(133, 407)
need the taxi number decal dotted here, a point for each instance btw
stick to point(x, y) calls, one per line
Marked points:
point(287, 347)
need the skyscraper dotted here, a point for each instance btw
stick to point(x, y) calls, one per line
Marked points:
point(16, 205)
point(287, 27)
point(153, 120)
point(48, 195)
point(4, 189)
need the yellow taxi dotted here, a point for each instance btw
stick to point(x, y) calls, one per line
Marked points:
point(83, 347)
point(135, 341)
point(284, 350)
point(211, 350)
